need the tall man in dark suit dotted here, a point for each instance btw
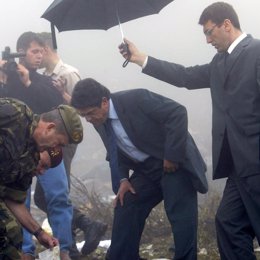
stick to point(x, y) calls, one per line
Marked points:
point(233, 77)
point(151, 137)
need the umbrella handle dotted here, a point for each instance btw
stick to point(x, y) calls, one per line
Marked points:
point(124, 46)
point(125, 63)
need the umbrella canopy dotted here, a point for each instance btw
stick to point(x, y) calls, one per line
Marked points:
point(69, 15)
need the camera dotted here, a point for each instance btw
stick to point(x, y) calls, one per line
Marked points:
point(10, 66)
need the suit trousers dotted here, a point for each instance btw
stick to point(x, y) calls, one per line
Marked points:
point(237, 218)
point(152, 185)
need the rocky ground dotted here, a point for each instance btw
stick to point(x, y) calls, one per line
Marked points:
point(156, 240)
point(157, 249)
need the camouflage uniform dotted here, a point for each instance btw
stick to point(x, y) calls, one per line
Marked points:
point(18, 160)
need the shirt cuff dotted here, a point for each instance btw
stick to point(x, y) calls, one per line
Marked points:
point(124, 179)
point(145, 62)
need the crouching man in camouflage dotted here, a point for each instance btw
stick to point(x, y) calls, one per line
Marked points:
point(25, 139)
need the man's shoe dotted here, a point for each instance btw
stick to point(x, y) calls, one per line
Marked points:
point(64, 255)
point(74, 252)
point(93, 236)
point(27, 257)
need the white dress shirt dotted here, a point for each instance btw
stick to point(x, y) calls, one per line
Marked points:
point(236, 42)
point(68, 72)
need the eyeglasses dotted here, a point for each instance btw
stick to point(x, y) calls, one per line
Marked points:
point(210, 31)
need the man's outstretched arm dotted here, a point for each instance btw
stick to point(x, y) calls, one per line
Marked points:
point(21, 213)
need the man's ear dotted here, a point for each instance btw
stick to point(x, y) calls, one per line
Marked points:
point(50, 126)
point(46, 49)
point(105, 103)
point(228, 25)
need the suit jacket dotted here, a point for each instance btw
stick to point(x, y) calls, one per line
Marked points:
point(157, 126)
point(235, 91)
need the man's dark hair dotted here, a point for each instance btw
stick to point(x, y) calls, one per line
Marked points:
point(47, 39)
point(218, 12)
point(88, 93)
point(26, 39)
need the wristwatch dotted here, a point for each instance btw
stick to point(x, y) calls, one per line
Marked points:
point(37, 232)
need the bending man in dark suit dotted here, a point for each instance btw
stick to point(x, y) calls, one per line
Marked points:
point(151, 137)
point(233, 77)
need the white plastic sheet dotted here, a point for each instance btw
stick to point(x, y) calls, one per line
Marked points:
point(48, 254)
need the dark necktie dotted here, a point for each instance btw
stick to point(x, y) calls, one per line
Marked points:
point(113, 157)
point(226, 58)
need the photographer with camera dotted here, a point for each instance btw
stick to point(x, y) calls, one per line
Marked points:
point(23, 82)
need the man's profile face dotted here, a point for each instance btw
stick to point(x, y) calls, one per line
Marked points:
point(217, 35)
point(45, 55)
point(95, 115)
point(34, 56)
point(50, 138)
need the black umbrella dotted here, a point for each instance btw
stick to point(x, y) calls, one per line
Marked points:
point(69, 15)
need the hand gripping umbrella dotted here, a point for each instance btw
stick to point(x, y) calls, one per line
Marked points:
point(67, 15)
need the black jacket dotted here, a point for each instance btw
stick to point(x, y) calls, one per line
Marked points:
point(157, 126)
point(235, 91)
point(41, 96)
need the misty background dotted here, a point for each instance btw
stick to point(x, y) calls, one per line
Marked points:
point(173, 35)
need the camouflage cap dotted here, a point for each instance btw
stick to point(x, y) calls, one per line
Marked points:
point(72, 123)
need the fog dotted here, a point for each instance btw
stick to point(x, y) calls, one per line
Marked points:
point(173, 35)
